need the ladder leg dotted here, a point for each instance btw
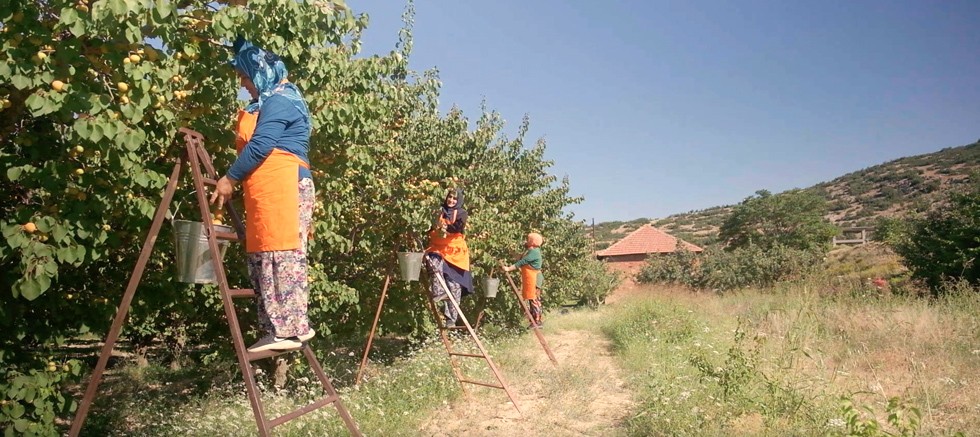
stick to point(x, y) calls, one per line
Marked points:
point(534, 326)
point(444, 336)
point(483, 351)
point(117, 321)
point(198, 157)
point(374, 326)
point(194, 150)
point(328, 387)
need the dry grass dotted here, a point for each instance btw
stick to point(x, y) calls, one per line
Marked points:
point(867, 348)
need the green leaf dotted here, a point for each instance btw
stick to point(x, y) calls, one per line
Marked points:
point(98, 103)
point(163, 8)
point(18, 240)
point(83, 128)
point(133, 34)
point(118, 7)
point(96, 133)
point(11, 229)
point(80, 253)
point(59, 233)
point(110, 129)
point(68, 16)
point(14, 173)
point(28, 288)
point(43, 282)
point(21, 82)
point(78, 28)
point(65, 255)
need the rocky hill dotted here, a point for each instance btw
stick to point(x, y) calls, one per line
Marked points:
point(907, 185)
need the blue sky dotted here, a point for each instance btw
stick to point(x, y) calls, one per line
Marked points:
point(654, 108)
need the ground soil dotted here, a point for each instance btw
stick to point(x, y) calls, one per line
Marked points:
point(584, 395)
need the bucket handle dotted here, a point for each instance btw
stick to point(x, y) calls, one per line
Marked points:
point(173, 216)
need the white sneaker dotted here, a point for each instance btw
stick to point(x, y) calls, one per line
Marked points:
point(271, 342)
point(306, 337)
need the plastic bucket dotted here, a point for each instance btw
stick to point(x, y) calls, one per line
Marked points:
point(410, 265)
point(194, 265)
point(490, 286)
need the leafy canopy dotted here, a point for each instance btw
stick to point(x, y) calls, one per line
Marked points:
point(794, 219)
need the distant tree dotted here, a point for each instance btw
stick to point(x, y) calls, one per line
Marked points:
point(945, 244)
point(793, 219)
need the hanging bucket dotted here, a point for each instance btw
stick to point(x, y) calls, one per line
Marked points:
point(410, 265)
point(194, 264)
point(490, 286)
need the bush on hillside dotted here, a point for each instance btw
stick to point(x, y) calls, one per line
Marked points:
point(793, 219)
point(944, 245)
point(722, 270)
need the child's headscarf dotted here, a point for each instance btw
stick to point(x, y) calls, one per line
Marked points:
point(535, 239)
point(268, 73)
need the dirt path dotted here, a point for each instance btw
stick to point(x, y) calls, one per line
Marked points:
point(583, 395)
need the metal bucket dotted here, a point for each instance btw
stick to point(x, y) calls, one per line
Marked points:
point(193, 261)
point(410, 265)
point(490, 286)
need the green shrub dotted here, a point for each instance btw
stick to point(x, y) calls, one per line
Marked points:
point(944, 245)
point(729, 270)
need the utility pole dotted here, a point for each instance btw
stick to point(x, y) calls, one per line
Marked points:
point(593, 236)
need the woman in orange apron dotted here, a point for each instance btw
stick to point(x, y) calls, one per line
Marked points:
point(531, 277)
point(447, 258)
point(272, 166)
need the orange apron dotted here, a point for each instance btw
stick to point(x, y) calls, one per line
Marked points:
point(529, 282)
point(452, 247)
point(272, 205)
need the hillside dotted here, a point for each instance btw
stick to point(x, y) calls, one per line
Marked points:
point(904, 185)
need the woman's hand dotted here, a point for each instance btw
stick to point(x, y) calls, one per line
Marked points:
point(222, 192)
point(509, 268)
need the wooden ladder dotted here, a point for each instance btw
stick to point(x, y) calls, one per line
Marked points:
point(195, 156)
point(527, 313)
point(444, 331)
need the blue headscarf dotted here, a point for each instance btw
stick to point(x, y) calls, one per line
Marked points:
point(267, 72)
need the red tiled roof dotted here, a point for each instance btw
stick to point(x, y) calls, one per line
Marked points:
point(647, 239)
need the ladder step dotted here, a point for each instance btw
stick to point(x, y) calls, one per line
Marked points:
point(209, 181)
point(230, 236)
point(460, 354)
point(241, 292)
point(481, 383)
point(303, 410)
point(455, 328)
point(255, 356)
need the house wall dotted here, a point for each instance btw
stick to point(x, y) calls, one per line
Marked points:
point(629, 265)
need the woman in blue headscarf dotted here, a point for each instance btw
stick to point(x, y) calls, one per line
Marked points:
point(273, 140)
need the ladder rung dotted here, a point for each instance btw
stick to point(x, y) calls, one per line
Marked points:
point(255, 356)
point(481, 383)
point(455, 327)
point(460, 354)
point(303, 410)
point(231, 236)
point(241, 292)
point(209, 181)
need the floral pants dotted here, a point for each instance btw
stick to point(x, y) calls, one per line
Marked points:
point(434, 265)
point(280, 278)
point(534, 307)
